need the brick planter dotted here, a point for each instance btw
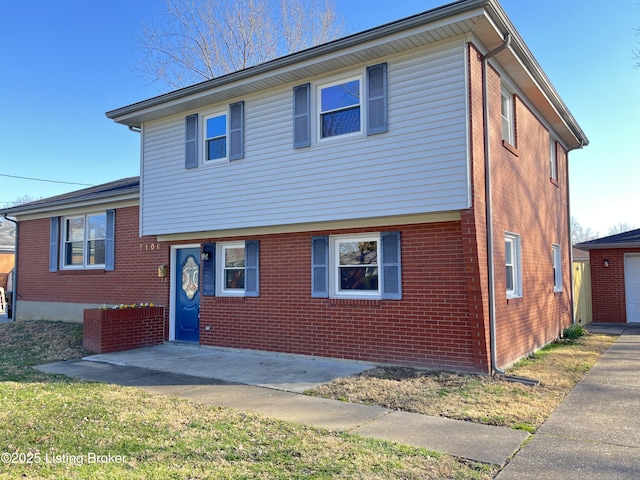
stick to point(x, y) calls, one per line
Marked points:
point(122, 329)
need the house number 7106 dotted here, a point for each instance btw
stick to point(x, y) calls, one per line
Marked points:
point(149, 246)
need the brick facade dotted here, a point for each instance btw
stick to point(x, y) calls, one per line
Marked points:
point(428, 327)
point(112, 330)
point(609, 302)
point(134, 280)
point(525, 201)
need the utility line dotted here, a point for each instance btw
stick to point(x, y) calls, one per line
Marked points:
point(44, 180)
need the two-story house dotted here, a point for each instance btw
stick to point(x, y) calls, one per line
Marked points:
point(396, 196)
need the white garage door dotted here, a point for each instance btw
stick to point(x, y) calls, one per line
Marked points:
point(632, 287)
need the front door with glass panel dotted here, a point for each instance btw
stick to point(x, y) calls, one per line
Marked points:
point(187, 295)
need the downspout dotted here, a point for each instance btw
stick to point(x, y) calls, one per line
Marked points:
point(14, 294)
point(488, 206)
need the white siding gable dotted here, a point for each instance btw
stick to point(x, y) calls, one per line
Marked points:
point(419, 166)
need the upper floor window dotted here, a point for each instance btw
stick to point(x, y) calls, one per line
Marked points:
point(513, 265)
point(348, 106)
point(340, 110)
point(508, 129)
point(553, 159)
point(215, 137)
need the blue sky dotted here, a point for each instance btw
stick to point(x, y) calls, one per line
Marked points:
point(66, 63)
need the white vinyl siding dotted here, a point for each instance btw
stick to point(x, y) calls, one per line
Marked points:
point(419, 166)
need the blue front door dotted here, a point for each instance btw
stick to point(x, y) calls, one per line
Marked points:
point(187, 296)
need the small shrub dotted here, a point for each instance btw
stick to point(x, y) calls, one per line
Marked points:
point(573, 332)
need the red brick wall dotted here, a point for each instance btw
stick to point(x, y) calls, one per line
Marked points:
point(134, 280)
point(123, 329)
point(525, 202)
point(474, 226)
point(428, 327)
point(609, 303)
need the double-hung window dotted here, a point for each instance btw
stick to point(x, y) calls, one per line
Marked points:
point(506, 109)
point(355, 265)
point(340, 109)
point(82, 241)
point(230, 269)
point(365, 266)
point(553, 159)
point(346, 107)
point(513, 265)
point(85, 238)
point(214, 136)
point(557, 268)
point(215, 141)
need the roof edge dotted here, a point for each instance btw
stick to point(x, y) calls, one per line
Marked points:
point(80, 197)
point(608, 246)
point(444, 11)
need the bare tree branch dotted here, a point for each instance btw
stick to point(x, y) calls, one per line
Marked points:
point(621, 227)
point(202, 39)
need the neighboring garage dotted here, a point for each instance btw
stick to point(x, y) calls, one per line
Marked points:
point(615, 277)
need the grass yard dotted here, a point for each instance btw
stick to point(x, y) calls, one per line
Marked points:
point(52, 426)
point(478, 398)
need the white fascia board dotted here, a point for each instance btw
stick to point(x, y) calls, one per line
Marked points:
point(73, 208)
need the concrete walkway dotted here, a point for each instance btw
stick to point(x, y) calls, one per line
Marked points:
point(230, 378)
point(595, 432)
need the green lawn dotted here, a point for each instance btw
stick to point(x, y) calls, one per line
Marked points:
point(55, 427)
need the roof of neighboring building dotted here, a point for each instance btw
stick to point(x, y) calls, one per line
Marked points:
point(7, 237)
point(484, 19)
point(125, 188)
point(580, 255)
point(619, 240)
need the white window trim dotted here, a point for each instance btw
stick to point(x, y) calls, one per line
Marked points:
point(204, 138)
point(557, 267)
point(221, 290)
point(334, 267)
point(553, 159)
point(63, 243)
point(504, 93)
point(514, 240)
point(317, 115)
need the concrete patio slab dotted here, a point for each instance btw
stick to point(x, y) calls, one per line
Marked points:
point(278, 371)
